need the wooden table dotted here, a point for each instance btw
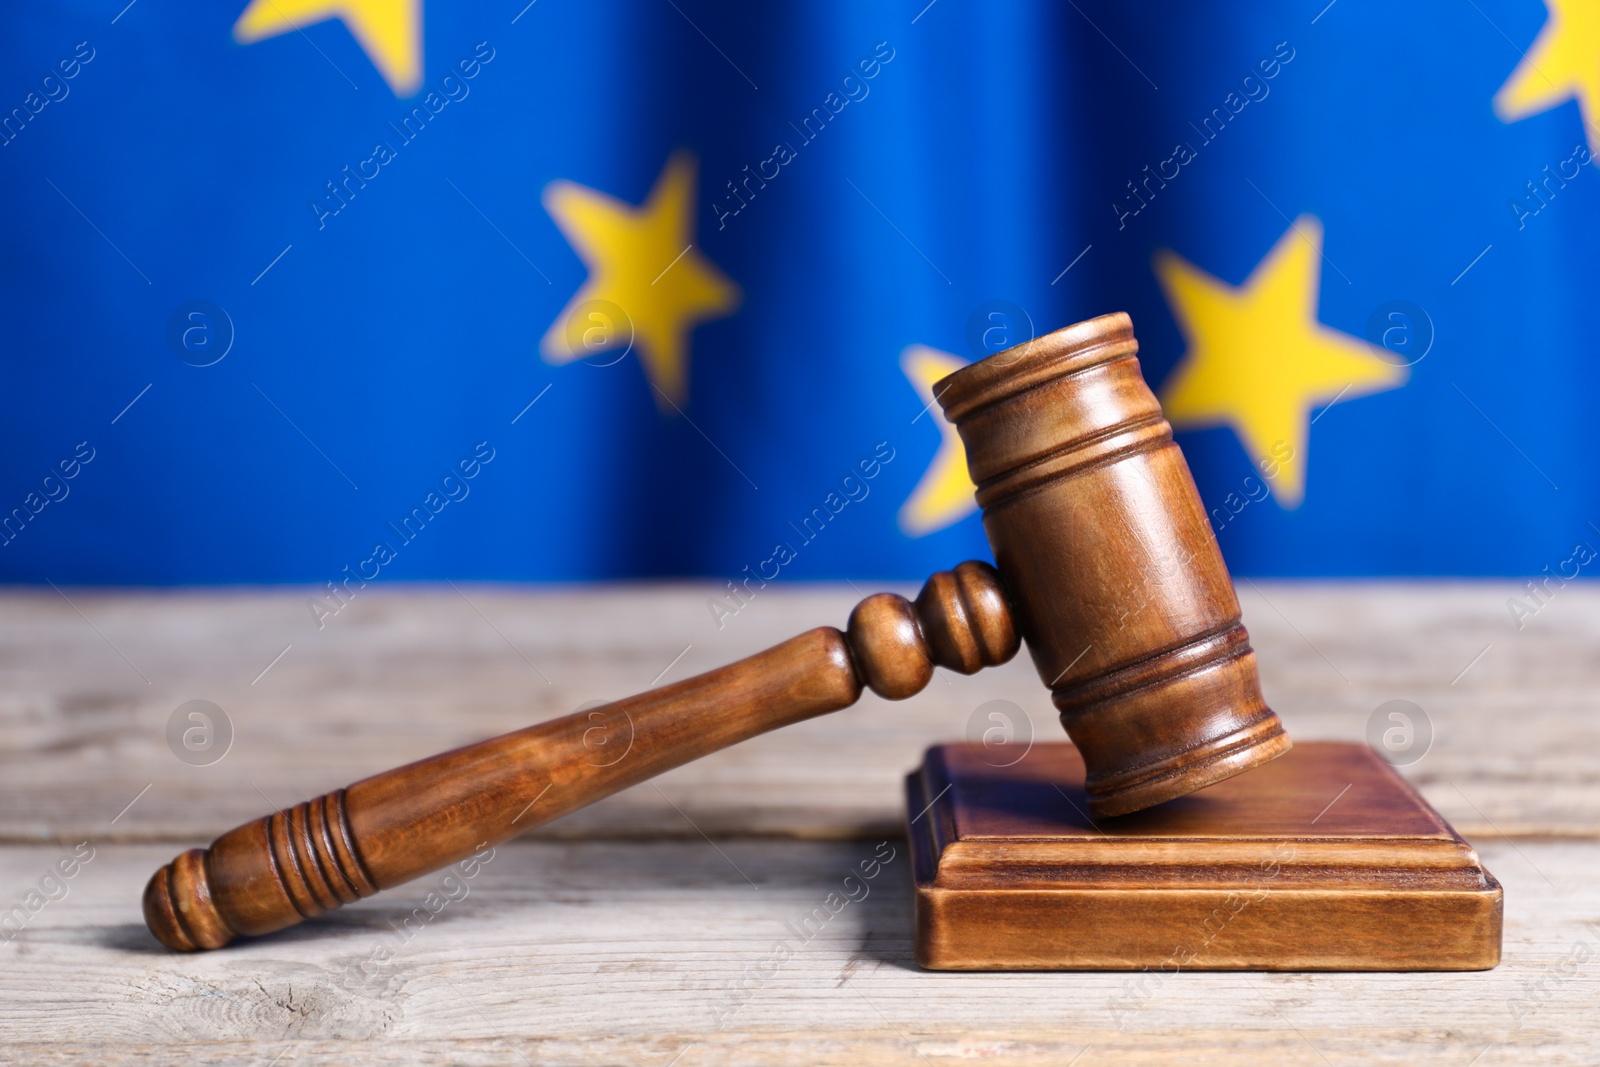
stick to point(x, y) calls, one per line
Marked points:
point(640, 931)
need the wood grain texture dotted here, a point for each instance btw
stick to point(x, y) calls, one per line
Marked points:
point(1117, 585)
point(301, 862)
point(609, 950)
point(404, 672)
point(1323, 860)
point(1100, 540)
point(604, 953)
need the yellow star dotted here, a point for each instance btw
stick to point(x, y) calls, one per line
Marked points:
point(642, 261)
point(1563, 64)
point(945, 494)
point(1258, 359)
point(389, 31)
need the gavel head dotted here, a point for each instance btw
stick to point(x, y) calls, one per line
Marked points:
point(1114, 575)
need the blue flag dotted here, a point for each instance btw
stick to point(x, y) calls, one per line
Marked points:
point(322, 291)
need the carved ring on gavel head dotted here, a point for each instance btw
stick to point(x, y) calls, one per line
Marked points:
point(1114, 575)
point(1111, 574)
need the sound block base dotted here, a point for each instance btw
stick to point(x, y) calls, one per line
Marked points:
point(1324, 859)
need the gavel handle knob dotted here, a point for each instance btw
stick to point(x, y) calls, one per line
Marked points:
point(382, 831)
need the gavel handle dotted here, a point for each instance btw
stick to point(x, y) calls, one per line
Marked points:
point(388, 829)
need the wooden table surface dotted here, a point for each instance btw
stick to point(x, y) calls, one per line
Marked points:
point(637, 931)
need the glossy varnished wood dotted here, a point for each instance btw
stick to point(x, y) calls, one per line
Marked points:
point(608, 953)
point(1120, 591)
point(620, 935)
point(1111, 573)
point(1325, 859)
point(417, 669)
point(388, 829)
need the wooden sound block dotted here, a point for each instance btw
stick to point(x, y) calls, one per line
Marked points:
point(1323, 860)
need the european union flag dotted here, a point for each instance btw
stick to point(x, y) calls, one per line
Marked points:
point(317, 291)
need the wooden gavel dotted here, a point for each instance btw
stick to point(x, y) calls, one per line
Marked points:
point(1105, 564)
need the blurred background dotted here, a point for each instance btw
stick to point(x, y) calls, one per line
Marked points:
point(297, 290)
